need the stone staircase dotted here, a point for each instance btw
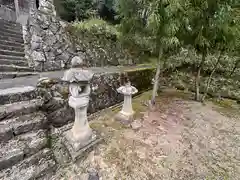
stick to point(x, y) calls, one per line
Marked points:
point(24, 141)
point(12, 61)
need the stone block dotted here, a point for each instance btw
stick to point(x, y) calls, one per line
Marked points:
point(77, 150)
point(35, 167)
point(23, 146)
point(19, 108)
point(22, 124)
point(16, 94)
point(12, 157)
point(61, 116)
point(6, 133)
point(28, 123)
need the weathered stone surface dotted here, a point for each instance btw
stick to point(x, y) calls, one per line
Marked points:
point(93, 174)
point(36, 166)
point(13, 157)
point(22, 124)
point(46, 44)
point(17, 94)
point(35, 141)
point(76, 152)
point(103, 94)
point(126, 113)
point(106, 49)
point(19, 108)
point(6, 133)
point(60, 153)
point(21, 147)
point(61, 115)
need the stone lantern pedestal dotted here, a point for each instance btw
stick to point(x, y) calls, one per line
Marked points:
point(81, 137)
point(126, 114)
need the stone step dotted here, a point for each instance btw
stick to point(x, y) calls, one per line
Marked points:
point(19, 108)
point(21, 147)
point(14, 62)
point(11, 57)
point(11, 43)
point(8, 34)
point(17, 94)
point(19, 125)
point(12, 53)
point(19, 48)
point(35, 167)
point(12, 30)
point(13, 39)
point(9, 23)
point(12, 75)
point(12, 68)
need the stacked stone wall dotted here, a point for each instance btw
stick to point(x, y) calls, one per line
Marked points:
point(104, 93)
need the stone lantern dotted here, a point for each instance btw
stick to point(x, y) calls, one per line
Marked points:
point(126, 114)
point(81, 136)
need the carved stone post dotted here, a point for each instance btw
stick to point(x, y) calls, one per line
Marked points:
point(81, 136)
point(126, 114)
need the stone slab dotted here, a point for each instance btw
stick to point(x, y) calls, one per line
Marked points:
point(19, 108)
point(6, 133)
point(34, 167)
point(21, 147)
point(78, 152)
point(12, 68)
point(16, 94)
point(22, 124)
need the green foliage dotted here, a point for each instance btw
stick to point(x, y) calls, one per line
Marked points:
point(152, 25)
point(70, 10)
point(209, 25)
point(65, 9)
point(84, 9)
point(98, 26)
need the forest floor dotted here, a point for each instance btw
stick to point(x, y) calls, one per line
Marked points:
point(180, 140)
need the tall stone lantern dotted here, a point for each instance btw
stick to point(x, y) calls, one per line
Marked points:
point(81, 136)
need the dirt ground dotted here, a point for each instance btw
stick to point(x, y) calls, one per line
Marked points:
point(179, 140)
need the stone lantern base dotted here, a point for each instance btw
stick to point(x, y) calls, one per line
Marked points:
point(125, 118)
point(77, 149)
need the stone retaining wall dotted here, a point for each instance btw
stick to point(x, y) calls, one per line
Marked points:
point(47, 46)
point(220, 87)
point(98, 47)
point(104, 93)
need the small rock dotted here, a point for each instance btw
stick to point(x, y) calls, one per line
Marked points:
point(77, 178)
point(93, 174)
point(136, 125)
point(84, 176)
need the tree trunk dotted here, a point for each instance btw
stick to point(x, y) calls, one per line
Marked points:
point(197, 78)
point(156, 80)
point(235, 67)
point(210, 77)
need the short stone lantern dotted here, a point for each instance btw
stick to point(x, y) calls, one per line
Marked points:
point(81, 136)
point(126, 114)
